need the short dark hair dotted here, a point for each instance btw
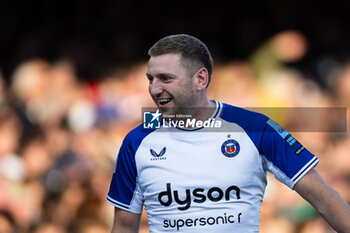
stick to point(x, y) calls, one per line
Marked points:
point(194, 53)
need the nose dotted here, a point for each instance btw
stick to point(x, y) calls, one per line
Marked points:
point(155, 88)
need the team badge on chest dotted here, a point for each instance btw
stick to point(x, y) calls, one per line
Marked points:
point(230, 148)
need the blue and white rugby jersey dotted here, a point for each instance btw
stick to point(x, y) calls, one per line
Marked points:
point(200, 181)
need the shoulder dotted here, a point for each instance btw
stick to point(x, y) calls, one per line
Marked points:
point(245, 118)
point(135, 137)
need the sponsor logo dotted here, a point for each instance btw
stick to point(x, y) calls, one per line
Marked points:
point(289, 139)
point(158, 156)
point(197, 195)
point(299, 150)
point(202, 221)
point(230, 148)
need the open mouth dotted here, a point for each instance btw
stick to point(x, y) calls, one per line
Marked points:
point(164, 101)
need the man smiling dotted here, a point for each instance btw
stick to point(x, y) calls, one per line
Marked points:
point(199, 180)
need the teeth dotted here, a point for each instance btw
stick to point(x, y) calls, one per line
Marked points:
point(164, 101)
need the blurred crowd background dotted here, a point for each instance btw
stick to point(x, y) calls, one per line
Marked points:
point(69, 95)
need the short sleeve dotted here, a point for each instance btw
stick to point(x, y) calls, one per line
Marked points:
point(124, 191)
point(285, 157)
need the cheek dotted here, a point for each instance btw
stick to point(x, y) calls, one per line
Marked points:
point(186, 84)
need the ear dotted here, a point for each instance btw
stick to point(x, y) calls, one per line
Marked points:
point(202, 78)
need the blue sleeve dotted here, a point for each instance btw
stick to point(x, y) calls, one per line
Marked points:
point(123, 184)
point(124, 191)
point(285, 157)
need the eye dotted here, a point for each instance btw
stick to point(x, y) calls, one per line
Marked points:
point(150, 78)
point(165, 78)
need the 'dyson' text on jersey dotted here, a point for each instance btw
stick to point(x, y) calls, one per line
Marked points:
point(198, 195)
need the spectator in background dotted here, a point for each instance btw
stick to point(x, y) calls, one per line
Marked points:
point(7, 223)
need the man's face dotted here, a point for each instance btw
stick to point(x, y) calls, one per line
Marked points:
point(170, 86)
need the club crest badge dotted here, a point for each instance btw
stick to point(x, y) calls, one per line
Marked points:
point(230, 148)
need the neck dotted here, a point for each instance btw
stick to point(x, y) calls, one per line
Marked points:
point(205, 109)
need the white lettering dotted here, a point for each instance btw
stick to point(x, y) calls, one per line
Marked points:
point(181, 124)
point(190, 123)
point(217, 124)
point(206, 124)
point(199, 124)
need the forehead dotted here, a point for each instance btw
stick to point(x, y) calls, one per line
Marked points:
point(167, 63)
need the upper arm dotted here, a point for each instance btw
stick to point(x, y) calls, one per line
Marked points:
point(125, 221)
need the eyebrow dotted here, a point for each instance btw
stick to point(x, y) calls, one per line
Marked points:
point(161, 75)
